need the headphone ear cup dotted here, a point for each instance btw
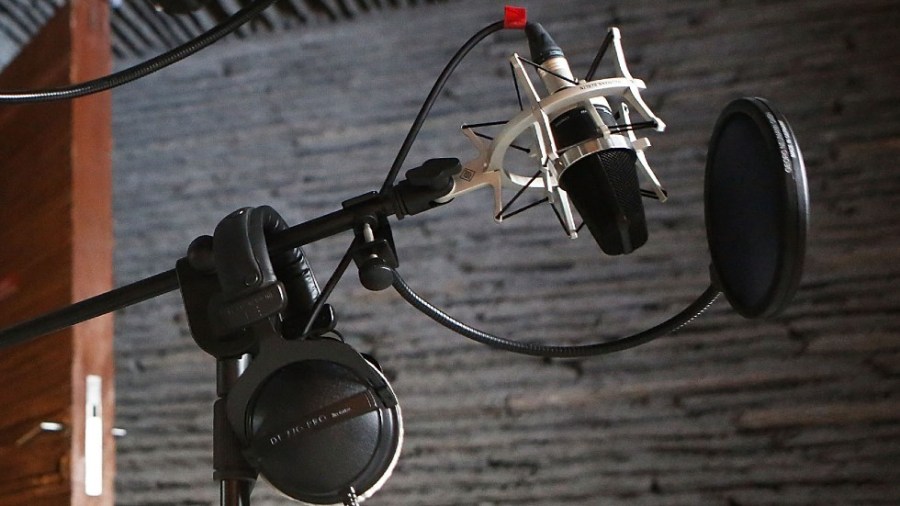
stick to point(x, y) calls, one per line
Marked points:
point(319, 428)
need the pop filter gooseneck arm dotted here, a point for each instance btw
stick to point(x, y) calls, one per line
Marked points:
point(706, 299)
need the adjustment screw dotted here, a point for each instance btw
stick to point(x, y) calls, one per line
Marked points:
point(375, 274)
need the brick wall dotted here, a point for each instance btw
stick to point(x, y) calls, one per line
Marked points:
point(800, 410)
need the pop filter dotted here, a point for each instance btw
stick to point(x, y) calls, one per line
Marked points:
point(757, 208)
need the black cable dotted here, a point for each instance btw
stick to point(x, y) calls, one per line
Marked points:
point(329, 287)
point(432, 97)
point(602, 51)
point(556, 351)
point(142, 69)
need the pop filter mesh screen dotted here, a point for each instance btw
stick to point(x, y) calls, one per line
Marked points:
point(757, 208)
point(745, 202)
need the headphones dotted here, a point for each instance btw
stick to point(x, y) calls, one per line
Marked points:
point(317, 419)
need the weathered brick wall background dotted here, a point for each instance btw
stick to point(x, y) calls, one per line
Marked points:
point(800, 410)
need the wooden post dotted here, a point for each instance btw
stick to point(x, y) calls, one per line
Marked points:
point(55, 249)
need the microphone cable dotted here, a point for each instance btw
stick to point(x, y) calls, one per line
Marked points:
point(701, 304)
point(142, 69)
point(329, 287)
point(432, 97)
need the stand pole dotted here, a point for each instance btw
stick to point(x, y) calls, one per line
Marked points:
point(234, 493)
point(235, 475)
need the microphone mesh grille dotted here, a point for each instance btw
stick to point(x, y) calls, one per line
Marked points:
point(604, 189)
point(619, 167)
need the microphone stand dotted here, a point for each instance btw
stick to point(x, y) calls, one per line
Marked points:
point(195, 275)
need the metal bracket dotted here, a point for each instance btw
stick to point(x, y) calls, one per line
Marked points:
point(375, 254)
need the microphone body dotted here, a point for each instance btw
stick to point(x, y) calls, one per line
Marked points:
point(602, 185)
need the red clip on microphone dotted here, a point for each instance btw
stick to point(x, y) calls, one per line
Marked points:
point(514, 18)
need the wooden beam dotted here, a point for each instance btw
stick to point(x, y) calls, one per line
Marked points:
point(56, 237)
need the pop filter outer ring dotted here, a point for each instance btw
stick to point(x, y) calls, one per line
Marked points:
point(756, 207)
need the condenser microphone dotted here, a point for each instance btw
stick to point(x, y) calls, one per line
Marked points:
point(602, 185)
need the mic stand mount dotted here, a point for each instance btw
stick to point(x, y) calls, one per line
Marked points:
point(199, 287)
